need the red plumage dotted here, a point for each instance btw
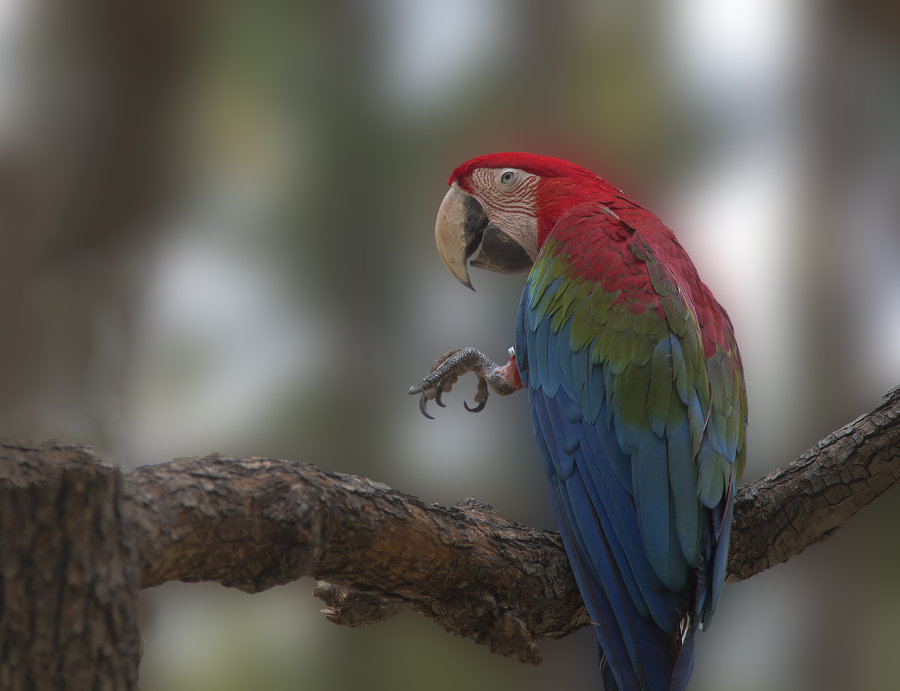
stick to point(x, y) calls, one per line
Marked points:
point(565, 185)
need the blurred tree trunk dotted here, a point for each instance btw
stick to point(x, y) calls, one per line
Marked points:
point(84, 163)
point(69, 576)
point(850, 138)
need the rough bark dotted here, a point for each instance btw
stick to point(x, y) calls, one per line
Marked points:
point(805, 502)
point(68, 573)
point(255, 523)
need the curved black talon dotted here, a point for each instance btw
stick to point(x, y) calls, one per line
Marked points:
point(476, 409)
point(440, 392)
point(422, 402)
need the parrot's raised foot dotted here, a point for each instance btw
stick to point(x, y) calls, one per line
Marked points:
point(503, 379)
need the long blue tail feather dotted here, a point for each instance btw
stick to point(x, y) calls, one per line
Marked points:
point(640, 654)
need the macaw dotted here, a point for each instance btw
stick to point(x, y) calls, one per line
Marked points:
point(637, 397)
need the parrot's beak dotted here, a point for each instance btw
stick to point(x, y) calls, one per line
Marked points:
point(463, 230)
point(458, 230)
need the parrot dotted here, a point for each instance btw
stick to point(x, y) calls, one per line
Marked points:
point(636, 390)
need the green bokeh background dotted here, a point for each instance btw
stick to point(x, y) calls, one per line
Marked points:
point(217, 236)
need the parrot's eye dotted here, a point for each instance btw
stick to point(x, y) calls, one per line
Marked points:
point(508, 176)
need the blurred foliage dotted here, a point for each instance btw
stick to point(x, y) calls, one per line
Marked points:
point(217, 236)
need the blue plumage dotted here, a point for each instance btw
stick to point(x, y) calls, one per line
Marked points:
point(630, 500)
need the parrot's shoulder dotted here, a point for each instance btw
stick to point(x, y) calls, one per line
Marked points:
point(590, 247)
point(627, 250)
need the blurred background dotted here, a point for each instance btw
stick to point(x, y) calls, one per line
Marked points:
point(217, 236)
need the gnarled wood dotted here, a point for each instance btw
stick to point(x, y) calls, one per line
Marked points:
point(255, 523)
point(779, 515)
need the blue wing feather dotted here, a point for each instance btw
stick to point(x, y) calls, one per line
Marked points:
point(632, 611)
point(629, 635)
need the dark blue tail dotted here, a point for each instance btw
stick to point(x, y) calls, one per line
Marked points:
point(637, 654)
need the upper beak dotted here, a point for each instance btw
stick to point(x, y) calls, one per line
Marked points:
point(460, 223)
point(463, 230)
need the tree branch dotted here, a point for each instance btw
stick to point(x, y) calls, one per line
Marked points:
point(255, 523)
point(805, 502)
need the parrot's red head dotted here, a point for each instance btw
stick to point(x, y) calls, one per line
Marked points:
point(501, 207)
